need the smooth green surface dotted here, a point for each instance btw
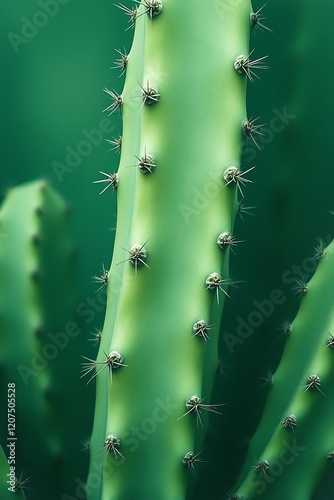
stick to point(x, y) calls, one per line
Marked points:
point(298, 457)
point(131, 113)
point(37, 353)
point(158, 305)
point(52, 90)
point(292, 212)
point(309, 329)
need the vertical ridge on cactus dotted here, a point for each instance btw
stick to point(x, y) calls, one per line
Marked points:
point(150, 324)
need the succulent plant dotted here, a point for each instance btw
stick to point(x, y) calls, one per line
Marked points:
point(214, 371)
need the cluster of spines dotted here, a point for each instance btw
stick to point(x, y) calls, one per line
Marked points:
point(147, 164)
point(319, 374)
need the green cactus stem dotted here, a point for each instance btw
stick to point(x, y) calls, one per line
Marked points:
point(39, 335)
point(297, 415)
point(166, 246)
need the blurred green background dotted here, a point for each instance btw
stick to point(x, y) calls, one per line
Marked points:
point(56, 59)
point(51, 93)
point(52, 100)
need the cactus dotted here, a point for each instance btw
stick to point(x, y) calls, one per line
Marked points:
point(163, 100)
point(39, 335)
point(197, 395)
point(175, 210)
point(293, 438)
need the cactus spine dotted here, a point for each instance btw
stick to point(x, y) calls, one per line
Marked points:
point(150, 412)
point(177, 186)
point(293, 438)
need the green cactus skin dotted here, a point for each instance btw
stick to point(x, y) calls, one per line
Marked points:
point(136, 304)
point(298, 456)
point(286, 191)
point(150, 323)
point(302, 389)
point(130, 148)
point(34, 253)
point(305, 461)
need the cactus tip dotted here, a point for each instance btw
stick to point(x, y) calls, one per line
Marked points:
point(330, 342)
point(117, 101)
point(256, 19)
point(250, 129)
point(245, 65)
point(137, 255)
point(226, 240)
point(313, 382)
point(290, 422)
point(152, 7)
point(116, 142)
point(195, 404)
point(104, 278)
point(190, 459)
point(261, 468)
point(113, 361)
point(150, 94)
point(201, 328)
point(111, 180)
point(111, 445)
point(121, 62)
point(234, 175)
